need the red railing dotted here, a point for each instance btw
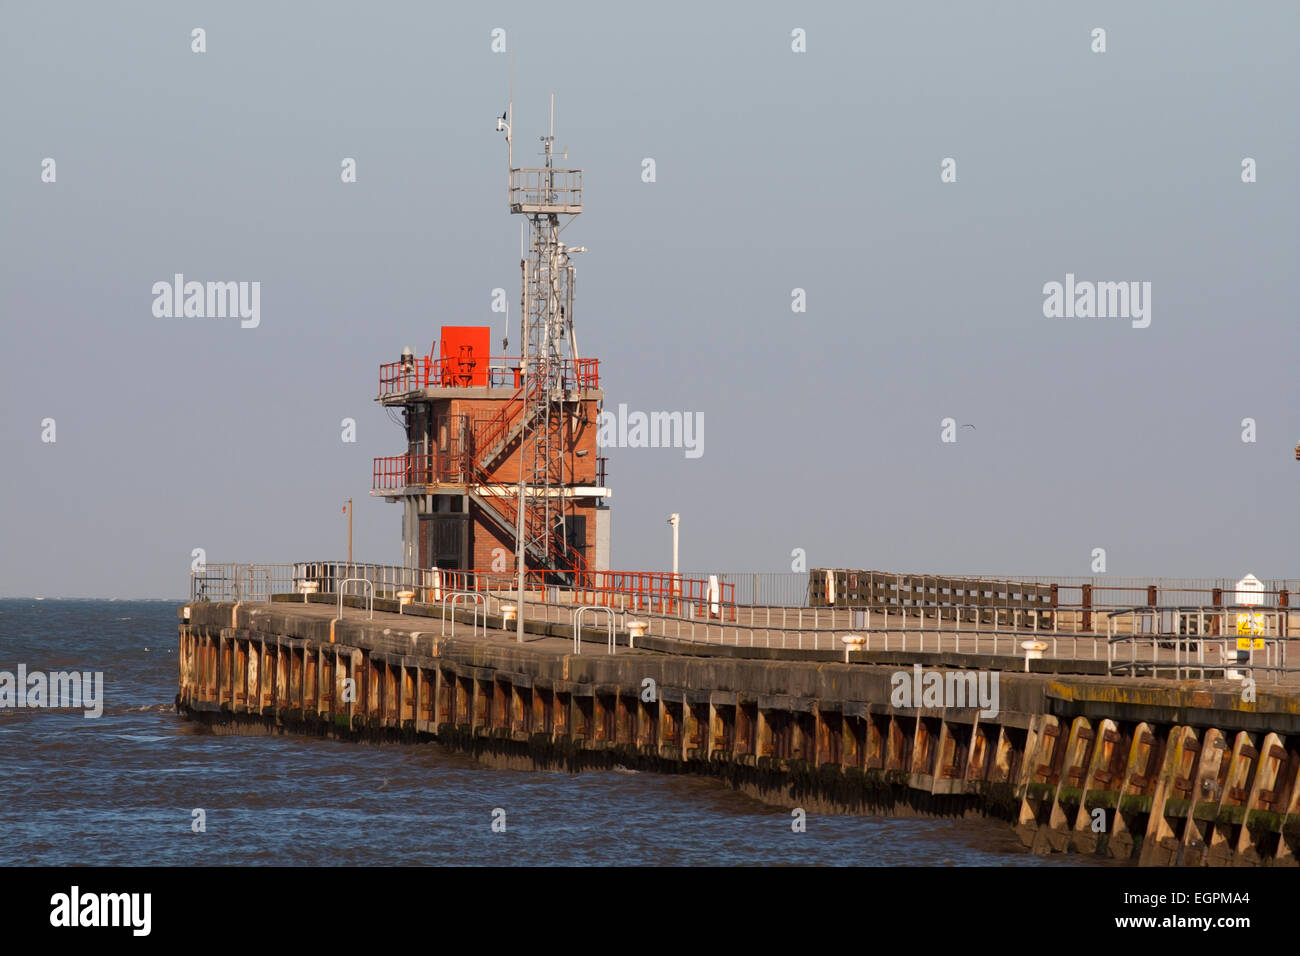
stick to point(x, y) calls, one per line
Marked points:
point(392, 473)
point(586, 373)
point(488, 434)
point(395, 472)
point(655, 592)
point(507, 508)
point(661, 592)
point(396, 378)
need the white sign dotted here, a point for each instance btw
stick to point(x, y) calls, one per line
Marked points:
point(1249, 590)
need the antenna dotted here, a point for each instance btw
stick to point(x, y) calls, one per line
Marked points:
point(544, 195)
point(510, 108)
point(508, 117)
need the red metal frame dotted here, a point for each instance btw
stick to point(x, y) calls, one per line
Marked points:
point(391, 473)
point(660, 592)
point(395, 472)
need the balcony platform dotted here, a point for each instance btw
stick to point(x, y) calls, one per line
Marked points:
point(546, 192)
point(486, 393)
point(490, 491)
point(483, 377)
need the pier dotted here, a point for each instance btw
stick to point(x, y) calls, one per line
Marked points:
point(1077, 758)
point(1157, 724)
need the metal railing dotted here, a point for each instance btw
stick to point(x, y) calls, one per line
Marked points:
point(1095, 593)
point(593, 610)
point(396, 472)
point(370, 592)
point(838, 587)
point(763, 588)
point(1161, 641)
point(491, 431)
point(242, 582)
point(821, 629)
point(545, 189)
point(398, 378)
point(659, 592)
point(649, 591)
point(1175, 639)
point(259, 582)
point(452, 598)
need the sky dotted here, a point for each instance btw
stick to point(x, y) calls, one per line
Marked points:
point(775, 170)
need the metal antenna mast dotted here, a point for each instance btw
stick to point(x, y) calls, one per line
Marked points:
point(548, 346)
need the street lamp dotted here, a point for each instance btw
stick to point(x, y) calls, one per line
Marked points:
point(347, 508)
point(674, 519)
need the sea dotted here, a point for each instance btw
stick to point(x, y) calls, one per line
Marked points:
point(138, 785)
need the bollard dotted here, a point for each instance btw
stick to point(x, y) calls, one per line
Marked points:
point(852, 642)
point(1033, 651)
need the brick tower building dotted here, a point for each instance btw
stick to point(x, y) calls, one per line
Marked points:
point(501, 454)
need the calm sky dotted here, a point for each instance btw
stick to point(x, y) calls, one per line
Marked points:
point(775, 170)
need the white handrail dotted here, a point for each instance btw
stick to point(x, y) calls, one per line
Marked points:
point(454, 597)
point(577, 625)
point(371, 592)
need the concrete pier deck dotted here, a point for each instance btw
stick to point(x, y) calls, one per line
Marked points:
point(1156, 771)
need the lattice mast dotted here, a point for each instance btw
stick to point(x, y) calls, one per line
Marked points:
point(548, 344)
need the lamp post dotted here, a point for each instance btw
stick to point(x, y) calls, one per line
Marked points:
point(674, 519)
point(347, 508)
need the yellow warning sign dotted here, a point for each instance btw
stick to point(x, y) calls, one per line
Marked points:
point(1250, 643)
point(1250, 624)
